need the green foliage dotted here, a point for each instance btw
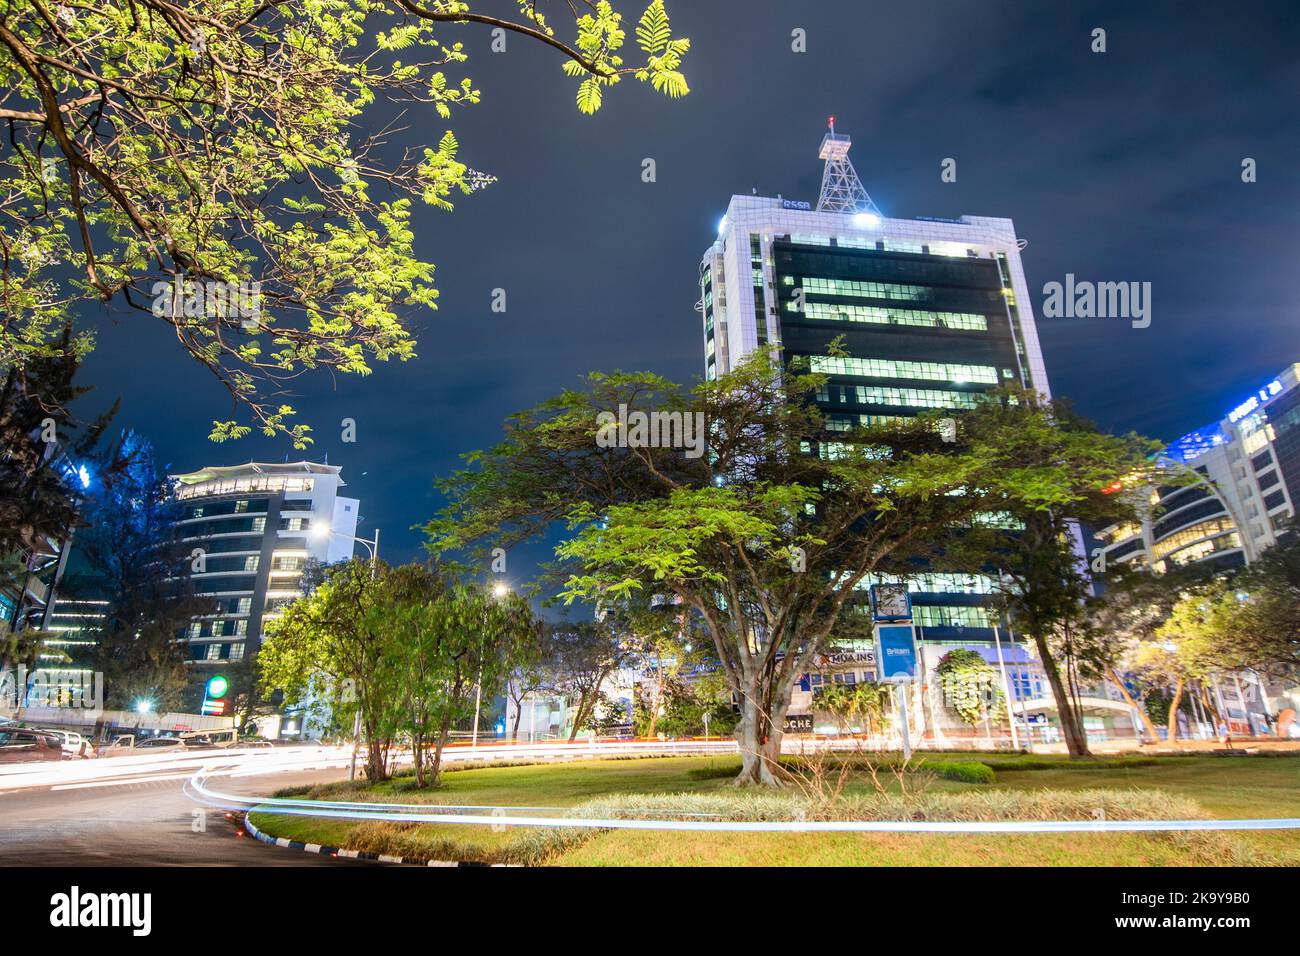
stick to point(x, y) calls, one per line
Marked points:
point(1157, 707)
point(41, 438)
point(1250, 621)
point(963, 771)
point(865, 704)
point(770, 530)
point(578, 659)
point(445, 641)
point(158, 150)
point(970, 686)
point(681, 713)
point(405, 646)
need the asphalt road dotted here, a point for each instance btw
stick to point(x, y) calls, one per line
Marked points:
point(134, 810)
point(143, 822)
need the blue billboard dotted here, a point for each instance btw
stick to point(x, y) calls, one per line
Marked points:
point(896, 657)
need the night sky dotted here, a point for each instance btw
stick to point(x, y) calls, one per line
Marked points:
point(1118, 166)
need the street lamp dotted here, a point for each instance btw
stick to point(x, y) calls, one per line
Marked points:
point(322, 532)
point(499, 590)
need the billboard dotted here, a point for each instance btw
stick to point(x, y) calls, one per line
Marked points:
point(897, 652)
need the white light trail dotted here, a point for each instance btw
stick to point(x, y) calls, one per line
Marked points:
point(403, 813)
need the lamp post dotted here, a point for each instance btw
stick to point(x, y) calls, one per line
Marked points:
point(325, 531)
point(499, 590)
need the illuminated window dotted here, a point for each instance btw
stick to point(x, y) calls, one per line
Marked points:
point(894, 368)
point(947, 616)
point(878, 315)
point(853, 288)
point(1180, 539)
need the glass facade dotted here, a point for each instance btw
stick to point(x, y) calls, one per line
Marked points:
point(950, 339)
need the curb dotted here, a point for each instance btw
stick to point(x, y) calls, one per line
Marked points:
point(266, 838)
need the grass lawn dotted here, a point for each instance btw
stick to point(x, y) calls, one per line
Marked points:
point(1220, 786)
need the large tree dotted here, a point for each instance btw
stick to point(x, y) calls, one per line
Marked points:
point(329, 646)
point(448, 644)
point(404, 646)
point(42, 445)
point(1253, 620)
point(580, 657)
point(1124, 619)
point(234, 168)
point(1035, 550)
point(768, 534)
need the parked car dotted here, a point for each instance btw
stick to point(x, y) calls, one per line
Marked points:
point(24, 745)
point(130, 743)
point(74, 745)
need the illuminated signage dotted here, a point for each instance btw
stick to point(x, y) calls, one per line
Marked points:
point(796, 204)
point(1252, 403)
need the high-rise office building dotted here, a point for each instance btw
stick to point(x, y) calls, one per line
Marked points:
point(257, 525)
point(1244, 473)
point(932, 312)
point(1241, 483)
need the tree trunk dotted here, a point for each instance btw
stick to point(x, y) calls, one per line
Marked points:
point(1076, 741)
point(1147, 723)
point(579, 717)
point(519, 714)
point(376, 757)
point(1173, 710)
point(417, 757)
point(654, 703)
point(444, 731)
point(759, 737)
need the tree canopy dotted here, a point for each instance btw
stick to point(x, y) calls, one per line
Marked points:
point(768, 535)
point(231, 169)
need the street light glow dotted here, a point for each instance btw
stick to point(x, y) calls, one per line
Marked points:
point(866, 220)
point(500, 589)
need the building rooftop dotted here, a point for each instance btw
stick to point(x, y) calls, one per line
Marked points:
point(214, 472)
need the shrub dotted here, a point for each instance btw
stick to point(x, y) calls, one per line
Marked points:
point(964, 771)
